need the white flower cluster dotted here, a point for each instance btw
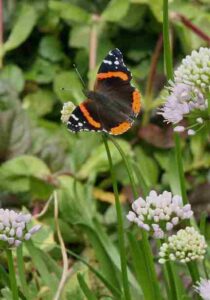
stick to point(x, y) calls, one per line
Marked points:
point(182, 100)
point(203, 289)
point(195, 70)
point(158, 214)
point(13, 230)
point(189, 90)
point(66, 111)
point(185, 246)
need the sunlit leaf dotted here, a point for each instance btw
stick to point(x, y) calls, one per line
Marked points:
point(115, 10)
point(22, 28)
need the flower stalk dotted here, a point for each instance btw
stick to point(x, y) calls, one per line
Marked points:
point(12, 277)
point(120, 225)
point(21, 272)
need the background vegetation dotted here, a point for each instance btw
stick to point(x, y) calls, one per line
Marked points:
point(41, 40)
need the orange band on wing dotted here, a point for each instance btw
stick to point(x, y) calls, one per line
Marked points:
point(86, 114)
point(136, 103)
point(120, 75)
point(123, 127)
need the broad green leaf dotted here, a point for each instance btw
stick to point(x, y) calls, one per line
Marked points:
point(22, 28)
point(16, 174)
point(50, 48)
point(97, 161)
point(15, 133)
point(115, 10)
point(167, 161)
point(39, 103)
point(69, 12)
point(48, 278)
point(134, 17)
point(148, 167)
point(14, 76)
point(155, 6)
point(80, 37)
point(42, 71)
point(68, 87)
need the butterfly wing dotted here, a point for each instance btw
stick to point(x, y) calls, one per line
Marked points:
point(115, 101)
point(113, 81)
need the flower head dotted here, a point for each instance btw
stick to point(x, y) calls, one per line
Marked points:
point(13, 228)
point(185, 246)
point(159, 213)
point(203, 288)
point(195, 70)
point(181, 101)
point(66, 111)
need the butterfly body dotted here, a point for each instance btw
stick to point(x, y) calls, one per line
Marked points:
point(113, 104)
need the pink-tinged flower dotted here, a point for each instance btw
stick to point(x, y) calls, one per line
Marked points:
point(181, 101)
point(13, 228)
point(203, 289)
point(158, 214)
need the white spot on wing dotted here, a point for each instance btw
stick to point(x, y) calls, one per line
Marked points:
point(109, 62)
point(74, 117)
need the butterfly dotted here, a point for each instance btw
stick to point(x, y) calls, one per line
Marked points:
point(113, 104)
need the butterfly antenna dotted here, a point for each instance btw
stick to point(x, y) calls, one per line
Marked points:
point(79, 75)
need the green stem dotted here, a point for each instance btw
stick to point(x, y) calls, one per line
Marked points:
point(144, 243)
point(180, 168)
point(13, 282)
point(166, 42)
point(172, 281)
point(128, 167)
point(21, 271)
point(120, 225)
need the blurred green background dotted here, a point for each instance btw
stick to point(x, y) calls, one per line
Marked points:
point(41, 40)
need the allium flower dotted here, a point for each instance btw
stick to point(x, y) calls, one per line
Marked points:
point(13, 228)
point(195, 70)
point(185, 246)
point(158, 214)
point(203, 289)
point(181, 101)
point(66, 111)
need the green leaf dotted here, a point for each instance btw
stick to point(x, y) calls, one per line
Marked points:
point(39, 103)
point(42, 71)
point(15, 130)
point(88, 293)
point(97, 161)
point(68, 87)
point(48, 278)
point(22, 28)
point(50, 48)
point(14, 76)
point(80, 36)
point(16, 174)
point(148, 166)
point(115, 10)
point(70, 12)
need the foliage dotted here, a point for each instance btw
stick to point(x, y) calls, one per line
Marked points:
point(42, 41)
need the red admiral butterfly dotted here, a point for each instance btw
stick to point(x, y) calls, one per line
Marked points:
point(113, 104)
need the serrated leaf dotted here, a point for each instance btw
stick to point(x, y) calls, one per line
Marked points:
point(115, 10)
point(22, 28)
point(69, 12)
